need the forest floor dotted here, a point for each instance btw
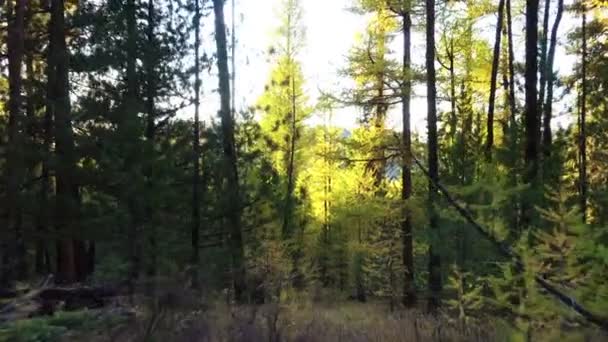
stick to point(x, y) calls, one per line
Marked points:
point(298, 321)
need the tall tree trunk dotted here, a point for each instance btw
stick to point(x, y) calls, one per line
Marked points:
point(289, 195)
point(151, 61)
point(233, 57)
point(548, 107)
point(434, 256)
point(196, 149)
point(14, 160)
point(127, 125)
point(41, 255)
point(230, 161)
point(583, 116)
point(493, 78)
point(453, 115)
point(531, 119)
point(512, 103)
point(542, 64)
point(67, 206)
point(409, 291)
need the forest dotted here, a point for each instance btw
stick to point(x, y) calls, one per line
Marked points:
point(145, 197)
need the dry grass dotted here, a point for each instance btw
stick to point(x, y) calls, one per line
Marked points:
point(297, 322)
point(306, 321)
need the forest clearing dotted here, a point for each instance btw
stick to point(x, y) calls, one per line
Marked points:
point(366, 170)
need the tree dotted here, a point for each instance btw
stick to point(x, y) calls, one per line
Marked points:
point(409, 291)
point(71, 263)
point(230, 161)
point(196, 150)
point(494, 76)
point(434, 257)
point(583, 115)
point(548, 106)
point(531, 116)
point(14, 164)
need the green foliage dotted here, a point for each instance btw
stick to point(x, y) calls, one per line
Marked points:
point(468, 300)
point(50, 329)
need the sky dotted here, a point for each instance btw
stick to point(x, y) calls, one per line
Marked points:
point(330, 33)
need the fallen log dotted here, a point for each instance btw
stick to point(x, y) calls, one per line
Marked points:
point(46, 301)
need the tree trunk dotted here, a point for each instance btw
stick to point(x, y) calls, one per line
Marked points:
point(230, 161)
point(41, 256)
point(453, 115)
point(512, 103)
point(493, 78)
point(409, 291)
point(583, 118)
point(151, 61)
point(287, 228)
point(543, 57)
point(434, 256)
point(196, 149)
point(548, 107)
point(67, 206)
point(233, 57)
point(531, 119)
point(14, 160)
point(127, 125)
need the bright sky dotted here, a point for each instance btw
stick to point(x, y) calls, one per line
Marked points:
point(330, 33)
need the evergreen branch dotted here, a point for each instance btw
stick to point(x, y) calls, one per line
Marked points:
point(507, 251)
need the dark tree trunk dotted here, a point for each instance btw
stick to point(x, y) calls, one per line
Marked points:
point(230, 160)
point(409, 291)
point(196, 149)
point(493, 78)
point(434, 256)
point(583, 116)
point(542, 64)
point(127, 125)
point(453, 115)
point(67, 203)
point(39, 158)
point(531, 118)
point(14, 257)
point(151, 61)
point(512, 103)
point(548, 107)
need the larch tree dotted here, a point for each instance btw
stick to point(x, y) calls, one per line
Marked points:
point(285, 108)
point(403, 10)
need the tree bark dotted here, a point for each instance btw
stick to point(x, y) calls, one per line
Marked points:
point(230, 160)
point(512, 103)
point(531, 118)
point(493, 78)
point(409, 291)
point(14, 161)
point(287, 228)
point(127, 126)
point(583, 116)
point(151, 61)
point(543, 57)
point(434, 265)
point(548, 107)
point(196, 149)
point(67, 203)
